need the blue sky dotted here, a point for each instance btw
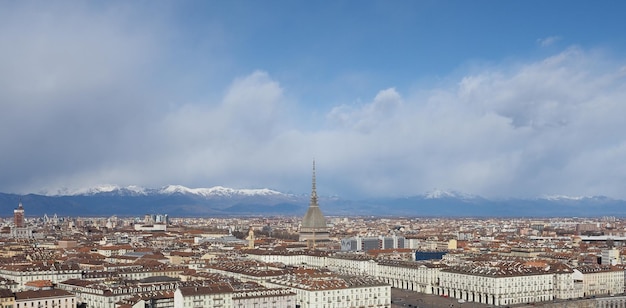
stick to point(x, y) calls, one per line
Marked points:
point(392, 98)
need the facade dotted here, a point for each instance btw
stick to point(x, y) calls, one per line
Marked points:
point(416, 276)
point(610, 257)
point(223, 295)
point(97, 294)
point(265, 298)
point(600, 279)
point(506, 283)
point(309, 258)
point(20, 230)
point(313, 228)
point(45, 299)
point(358, 243)
point(217, 295)
point(336, 292)
point(353, 264)
point(25, 273)
point(18, 216)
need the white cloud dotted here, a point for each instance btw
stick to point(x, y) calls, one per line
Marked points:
point(522, 131)
point(86, 106)
point(548, 41)
point(368, 117)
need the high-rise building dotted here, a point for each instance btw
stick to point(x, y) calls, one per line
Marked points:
point(313, 228)
point(610, 257)
point(18, 216)
point(372, 242)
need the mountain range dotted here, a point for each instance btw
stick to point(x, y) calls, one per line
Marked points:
point(180, 201)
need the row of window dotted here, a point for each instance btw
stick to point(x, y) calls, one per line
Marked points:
point(44, 303)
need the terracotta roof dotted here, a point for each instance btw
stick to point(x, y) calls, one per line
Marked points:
point(6, 293)
point(25, 295)
point(39, 283)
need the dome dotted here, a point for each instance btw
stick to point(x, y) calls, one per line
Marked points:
point(314, 219)
point(313, 226)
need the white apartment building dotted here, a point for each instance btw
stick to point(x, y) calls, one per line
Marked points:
point(610, 257)
point(352, 264)
point(336, 292)
point(218, 295)
point(416, 276)
point(45, 298)
point(265, 298)
point(223, 295)
point(600, 279)
point(507, 283)
point(25, 273)
point(359, 243)
point(100, 295)
point(317, 258)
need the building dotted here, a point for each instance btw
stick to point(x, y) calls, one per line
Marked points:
point(20, 230)
point(106, 293)
point(429, 255)
point(600, 279)
point(7, 299)
point(316, 289)
point(610, 257)
point(45, 298)
point(358, 243)
point(415, 276)
point(217, 295)
point(18, 216)
point(223, 295)
point(22, 274)
point(159, 299)
point(508, 283)
point(313, 228)
point(265, 298)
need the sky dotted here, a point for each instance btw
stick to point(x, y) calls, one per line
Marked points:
point(390, 98)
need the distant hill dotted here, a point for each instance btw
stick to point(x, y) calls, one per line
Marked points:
point(180, 201)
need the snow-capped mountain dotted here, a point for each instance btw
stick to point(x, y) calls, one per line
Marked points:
point(178, 200)
point(571, 198)
point(100, 189)
point(440, 194)
point(217, 191)
point(133, 190)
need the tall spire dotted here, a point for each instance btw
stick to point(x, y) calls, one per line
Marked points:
point(313, 227)
point(313, 189)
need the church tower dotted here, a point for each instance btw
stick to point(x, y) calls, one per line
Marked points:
point(18, 216)
point(313, 228)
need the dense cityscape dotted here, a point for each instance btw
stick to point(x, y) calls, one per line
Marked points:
point(313, 261)
point(156, 154)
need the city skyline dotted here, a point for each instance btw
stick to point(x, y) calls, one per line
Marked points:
point(391, 99)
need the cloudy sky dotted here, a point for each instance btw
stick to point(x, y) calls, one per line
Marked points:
point(391, 98)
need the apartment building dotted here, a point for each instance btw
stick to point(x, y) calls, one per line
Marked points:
point(318, 289)
point(507, 283)
point(600, 279)
point(53, 298)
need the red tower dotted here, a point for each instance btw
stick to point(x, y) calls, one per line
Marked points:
point(18, 216)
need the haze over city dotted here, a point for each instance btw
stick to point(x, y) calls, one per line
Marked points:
point(493, 98)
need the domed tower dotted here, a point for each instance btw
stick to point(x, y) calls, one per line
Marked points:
point(313, 228)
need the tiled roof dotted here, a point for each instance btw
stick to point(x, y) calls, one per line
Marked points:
point(26, 295)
